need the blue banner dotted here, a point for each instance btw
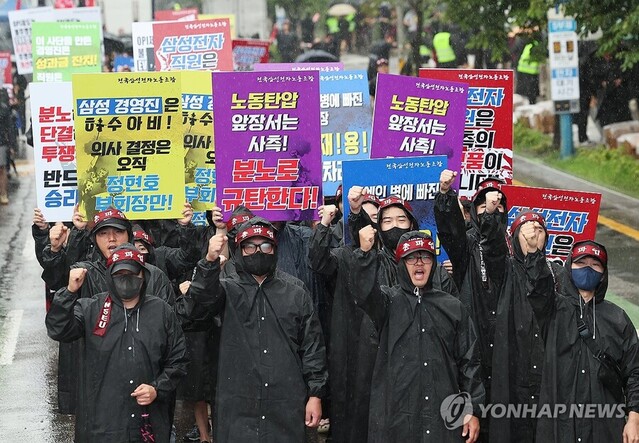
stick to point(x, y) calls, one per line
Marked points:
point(414, 179)
point(346, 123)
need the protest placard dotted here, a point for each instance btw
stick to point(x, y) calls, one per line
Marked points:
point(417, 117)
point(193, 45)
point(5, 72)
point(143, 54)
point(323, 67)
point(21, 23)
point(54, 150)
point(414, 179)
point(199, 156)
point(247, 52)
point(488, 133)
point(267, 143)
point(231, 17)
point(63, 48)
point(346, 123)
point(570, 216)
point(128, 128)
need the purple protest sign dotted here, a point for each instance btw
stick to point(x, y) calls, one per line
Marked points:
point(268, 143)
point(417, 116)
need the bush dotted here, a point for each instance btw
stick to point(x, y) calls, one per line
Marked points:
point(608, 167)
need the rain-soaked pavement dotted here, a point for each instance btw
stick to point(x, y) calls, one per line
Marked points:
point(28, 358)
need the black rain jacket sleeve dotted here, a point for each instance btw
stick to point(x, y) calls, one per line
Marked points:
point(65, 319)
point(174, 359)
point(365, 288)
point(312, 351)
point(56, 265)
point(540, 287)
point(41, 240)
point(320, 255)
point(179, 260)
point(206, 293)
point(494, 247)
point(56, 271)
point(451, 230)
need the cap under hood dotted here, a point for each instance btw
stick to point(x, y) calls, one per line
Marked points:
point(593, 249)
point(411, 242)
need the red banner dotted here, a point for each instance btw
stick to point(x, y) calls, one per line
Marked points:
point(488, 131)
point(570, 215)
point(247, 52)
point(200, 45)
point(5, 68)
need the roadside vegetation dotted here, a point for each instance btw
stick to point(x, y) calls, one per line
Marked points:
point(608, 167)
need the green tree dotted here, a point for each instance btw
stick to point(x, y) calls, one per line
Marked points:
point(618, 21)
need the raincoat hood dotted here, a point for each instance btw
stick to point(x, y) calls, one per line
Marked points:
point(486, 186)
point(141, 235)
point(525, 217)
point(124, 254)
point(412, 238)
point(400, 203)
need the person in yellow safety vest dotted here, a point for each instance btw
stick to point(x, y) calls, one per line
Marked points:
point(332, 25)
point(528, 73)
point(444, 53)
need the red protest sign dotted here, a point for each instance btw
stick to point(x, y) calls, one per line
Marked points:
point(570, 216)
point(488, 129)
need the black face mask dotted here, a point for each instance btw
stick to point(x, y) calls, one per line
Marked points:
point(495, 217)
point(259, 263)
point(391, 237)
point(127, 286)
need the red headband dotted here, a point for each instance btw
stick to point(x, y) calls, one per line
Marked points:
point(255, 231)
point(126, 254)
point(370, 198)
point(488, 183)
point(236, 220)
point(524, 217)
point(141, 235)
point(107, 214)
point(394, 200)
point(581, 250)
point(414, 244)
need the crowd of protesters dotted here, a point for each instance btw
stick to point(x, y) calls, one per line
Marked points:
point(279, 326)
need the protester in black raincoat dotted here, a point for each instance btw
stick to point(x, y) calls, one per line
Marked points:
point(574, 326)
point(428, 349)
point(478, 254)
point(133, 352)
point(519, 348)
point(272, 368)
point(111, 229)
point(394, 218)
point(351, 355)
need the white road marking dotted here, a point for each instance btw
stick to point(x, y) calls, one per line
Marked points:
point(10, 331)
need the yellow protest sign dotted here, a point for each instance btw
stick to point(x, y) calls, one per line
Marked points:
point(128, 129)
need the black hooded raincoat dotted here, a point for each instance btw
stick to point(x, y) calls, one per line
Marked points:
point(428, 350)
point(272, 355)
point(141, 345)
point(570, 374)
